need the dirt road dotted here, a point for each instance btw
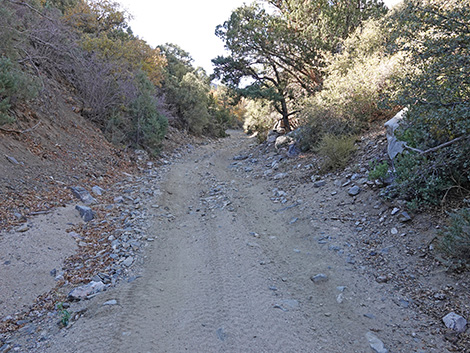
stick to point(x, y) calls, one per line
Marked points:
point(233, 270)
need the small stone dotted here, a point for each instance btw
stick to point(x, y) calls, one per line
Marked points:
point(291, 303)
point(19, 216)
point(282, 141)
point(221, 335)
point(12, 160)
point(83, 195)
point(280, 176)
point(395, 211)
point(111, 302)
point(23, 228)
point(319, 278)
point(404, 217)
point(375, 343)
point(85, 212)
point(97, 190)
point(252, 245)
point(128, 261)
point(404, 303)
point(319, 184)
point(382, 279)
point(240, 157)
point(455, 322)
point(354, 191)
point(394, 231)
point(83, 292)
point(339, 298)
point(119, 199)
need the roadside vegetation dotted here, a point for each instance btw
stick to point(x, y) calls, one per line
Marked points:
point(338, 67)
point(328, 70)
point(117, 78)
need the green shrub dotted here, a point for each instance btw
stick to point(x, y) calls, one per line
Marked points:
point(148, 125)
point(435, 37)
point(454, 240)
point(336, 151)
point(64, 315)
point(356, 80)
point(14, 85)
point(423, 180)
point(378, 170)
point(259, 117)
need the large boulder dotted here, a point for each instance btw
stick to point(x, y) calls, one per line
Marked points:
point(394, 145)
point(283, 141)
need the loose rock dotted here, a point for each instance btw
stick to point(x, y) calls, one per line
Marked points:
point(455, 322)
point(354, 191)
point(111, 302)
point(404, 217)
point(85, 212)
point(83, 292)
point(375, 343)
point(23, 228)
point(97, 190)
point(319, 278)
point(83, 195)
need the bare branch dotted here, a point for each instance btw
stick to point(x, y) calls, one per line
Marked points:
point(31, 8)
point(448, 143)
point(20, 132)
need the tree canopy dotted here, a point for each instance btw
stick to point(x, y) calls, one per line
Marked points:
point(277, 60)
point(281, 51)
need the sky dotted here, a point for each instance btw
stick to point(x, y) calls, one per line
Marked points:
point(188, 23)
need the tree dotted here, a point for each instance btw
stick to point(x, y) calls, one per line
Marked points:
point(281, 65)
point(95, 16)
point(325, 23)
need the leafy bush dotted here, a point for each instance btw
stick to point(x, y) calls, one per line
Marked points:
point(356, 80)
point(14, 85)
point(259, 117)
point(435, 37)
point(336, 151)
point(379, 171)
point(148, 126)
point(428, 179)
point(455, 238)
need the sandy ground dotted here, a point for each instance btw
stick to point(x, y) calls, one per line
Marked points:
point(230, 271)
point(27, 258)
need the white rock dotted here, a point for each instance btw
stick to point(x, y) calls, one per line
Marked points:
point(455, 322)
point(128, 261)
point(85, 291)
point(375, 343)
point(280, 176)
point(111, 302)
point(394, 146)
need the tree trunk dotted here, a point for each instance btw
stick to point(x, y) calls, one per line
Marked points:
point(285, 116)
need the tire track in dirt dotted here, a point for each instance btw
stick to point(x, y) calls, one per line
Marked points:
point(229, 272)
